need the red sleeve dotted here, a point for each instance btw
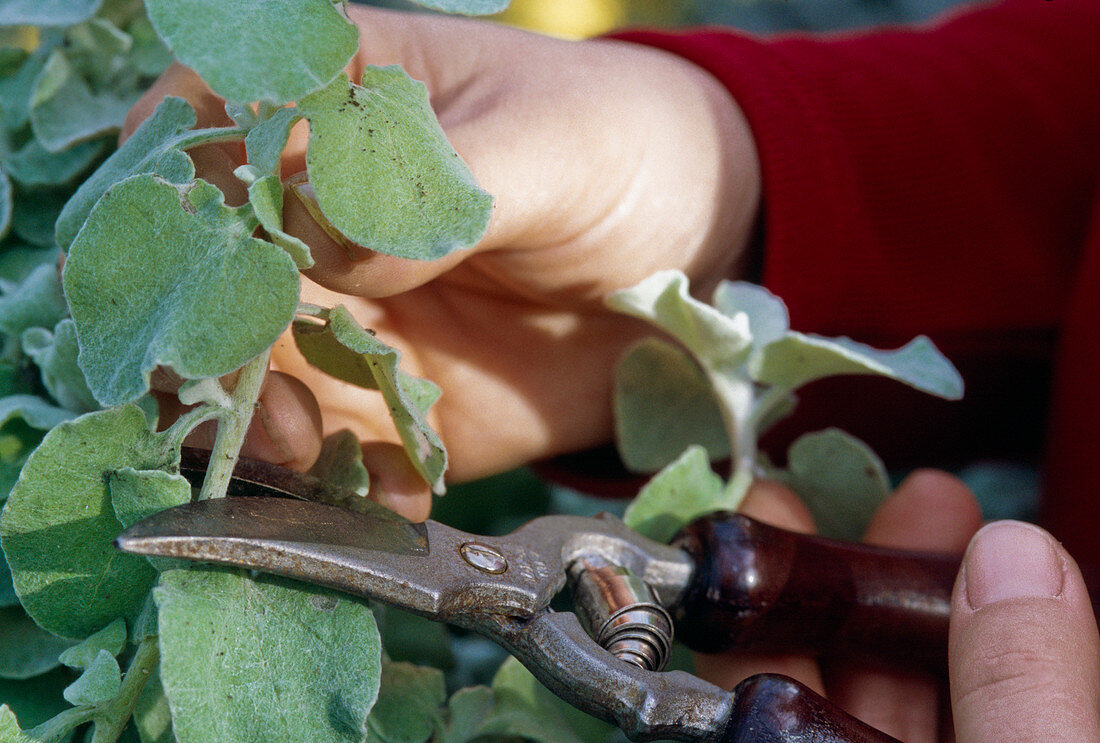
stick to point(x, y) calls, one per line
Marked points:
point(936, 180)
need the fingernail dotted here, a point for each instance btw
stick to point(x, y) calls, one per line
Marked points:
point(1011, 560)
point(300, 187)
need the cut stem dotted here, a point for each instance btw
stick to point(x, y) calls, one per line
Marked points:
point(233, 426)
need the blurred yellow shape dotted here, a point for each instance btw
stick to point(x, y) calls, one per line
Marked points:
point(569, 19)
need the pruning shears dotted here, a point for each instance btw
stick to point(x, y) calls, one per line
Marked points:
point(726, 582)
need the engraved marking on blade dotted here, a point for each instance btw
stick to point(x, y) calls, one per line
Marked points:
point(483, 557)
point(531, 568)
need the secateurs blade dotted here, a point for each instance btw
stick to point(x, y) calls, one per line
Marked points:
point(727, 582)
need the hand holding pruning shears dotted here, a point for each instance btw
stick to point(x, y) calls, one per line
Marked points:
point(727, 583)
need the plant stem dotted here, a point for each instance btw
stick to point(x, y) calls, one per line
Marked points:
point(111, 718)
point(735, 398)
point(197, 137)
point(233, 427)
point(59, 726)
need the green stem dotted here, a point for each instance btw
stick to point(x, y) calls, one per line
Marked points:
point(59, 726)
point(233, 427)
point(735, 401)
point(175, 434)
point(197, 137)
point(765, 403)
point(112, 717)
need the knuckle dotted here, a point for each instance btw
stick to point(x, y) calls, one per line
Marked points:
point(1007, 675)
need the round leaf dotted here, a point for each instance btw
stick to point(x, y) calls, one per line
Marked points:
point(278, 50)
point(167, 275)
point(58, 524)
point(247, 660)
point(663, 404)
point(383, 171)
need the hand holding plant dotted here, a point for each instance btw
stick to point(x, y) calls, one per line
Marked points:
point(606, 161)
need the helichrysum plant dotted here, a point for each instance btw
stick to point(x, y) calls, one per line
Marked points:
point(160, 273)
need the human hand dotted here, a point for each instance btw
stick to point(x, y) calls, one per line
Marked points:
point(1024, 656)
point(607, 161)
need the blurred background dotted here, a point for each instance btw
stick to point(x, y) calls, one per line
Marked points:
point(576, 19)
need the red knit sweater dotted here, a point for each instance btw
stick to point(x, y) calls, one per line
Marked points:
point(941, 180)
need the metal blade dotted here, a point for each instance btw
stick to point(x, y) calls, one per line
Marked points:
point(428, 568)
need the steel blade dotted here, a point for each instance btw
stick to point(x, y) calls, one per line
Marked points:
point(428, 568)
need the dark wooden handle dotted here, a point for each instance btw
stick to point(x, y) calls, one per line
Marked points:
point(763, 589)
point(769, 708)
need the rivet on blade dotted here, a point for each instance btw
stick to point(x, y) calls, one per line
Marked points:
point(483, 557)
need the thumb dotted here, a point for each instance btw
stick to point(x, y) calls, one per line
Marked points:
point(1024, 652)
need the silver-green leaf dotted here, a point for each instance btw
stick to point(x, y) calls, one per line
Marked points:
point(207, 297)
point(27, 649)
point(677, 495)
point(232, 652)
point(341, 463)
point(266, 141)
point(152, 148)
point(840, 479)
point(383, 171)
point(111, 639)
point(718, 342)
point(279, 50)
point(408, 706)
point(58, 524)
point(55, 356)
point(466, 7)
point(343, 349)
point(768, 317)
point(137, 494)
point(663, 404)
point(47, 12)
point(797, 359)
point(99, 682)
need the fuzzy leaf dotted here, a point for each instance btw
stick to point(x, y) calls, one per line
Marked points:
point(341, 463)
point(10, 732)
point(111, 639)
point(153, 148)
point(55, 355)
point(136, 495)
point(408, 706)
point(266, 141)
point(208, 296)
point(468, 710)
point(278, 50)
point(99, 682)
point(768, 318)
point(797, 359)
point(524, 707)
point(58, 524)
point(840, 479)
point(16, 89)
point(36, 412)
point(27, 649)
point(346, 351)
point(677, 495)
point(36, 302)
point(663, 404)
point(68, 112)
point(466, 7)
point(718, 342)
point(232, 652)
point(383, 171)
point(266, 197)
point(33, 165)
point(47, 12)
